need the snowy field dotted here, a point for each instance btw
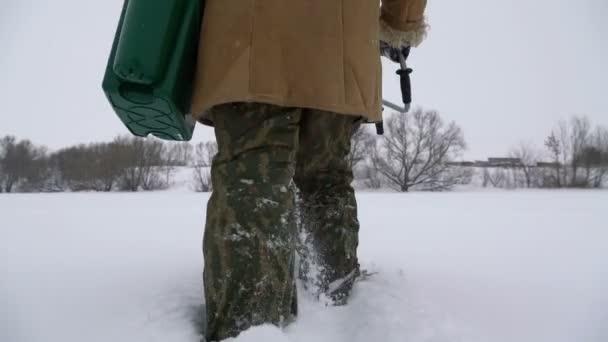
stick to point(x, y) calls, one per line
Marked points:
point(461, 266)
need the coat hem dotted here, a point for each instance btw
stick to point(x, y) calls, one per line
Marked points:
point(202, 115)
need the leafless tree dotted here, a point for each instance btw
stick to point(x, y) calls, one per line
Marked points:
point(595, 158)
point(554, 147)
point(75, 168)
point(94, 167)
point(373, 178)
point(572, 147)
point(41, 175)
point(579, 140)
point(53, 180)
point(203, 157)
point(179, 153)
point(360, 145)
point(7, 178)
point(146, 164)
point(21, 164)
point(529, 156)
point(127, 163)
point(415, 151)
point(496, 177)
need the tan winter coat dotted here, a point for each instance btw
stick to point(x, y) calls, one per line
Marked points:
point(320, 54)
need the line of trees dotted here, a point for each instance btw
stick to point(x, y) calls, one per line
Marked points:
point(203, 156)
point(417, 152)
point(574, 155)
point(412, 155)
point(125, 164)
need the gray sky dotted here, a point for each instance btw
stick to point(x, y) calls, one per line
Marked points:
point(505, 71)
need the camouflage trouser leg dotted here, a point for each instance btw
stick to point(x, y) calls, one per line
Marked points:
point(327, 205)
point(250, 234)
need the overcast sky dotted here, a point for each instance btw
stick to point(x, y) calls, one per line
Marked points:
point(505, 71)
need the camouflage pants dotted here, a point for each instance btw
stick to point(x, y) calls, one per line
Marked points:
point(251, 233)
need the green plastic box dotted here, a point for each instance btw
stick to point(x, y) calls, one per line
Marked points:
point(150, 72)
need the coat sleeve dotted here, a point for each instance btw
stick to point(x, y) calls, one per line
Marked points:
point(402, 22)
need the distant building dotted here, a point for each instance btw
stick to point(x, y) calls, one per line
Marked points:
point(461, 163)
point(548, 164)
point(504, 161)
point(481, 163)
point(496, 162)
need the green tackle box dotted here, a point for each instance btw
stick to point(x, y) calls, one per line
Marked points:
point(150, 72)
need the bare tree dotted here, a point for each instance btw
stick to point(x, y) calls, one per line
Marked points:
point(39, 176)
point(579, 136)
point(572, 147)
point(203, 158)
point(53, 181)
point(76, 168)
point(554, 147)
point(145, 164)
point(155, 167)
point(94, 167)
point(360, 144)
point(496, 177)
point(529, 156)
point(373, 178)
point(179, 154)
point(416, 149)
point(7, 178)
point(127, 163)
point(360, 159)
point(595, 158)
point(22, 163)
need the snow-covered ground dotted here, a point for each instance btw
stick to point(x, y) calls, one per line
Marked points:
point(461, 266)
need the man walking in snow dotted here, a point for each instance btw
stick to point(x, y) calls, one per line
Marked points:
point(285, 84)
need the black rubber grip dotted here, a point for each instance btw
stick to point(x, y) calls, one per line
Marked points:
point(406, 85)
point(380, 128)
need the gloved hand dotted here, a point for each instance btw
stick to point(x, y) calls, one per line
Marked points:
point(393, 53)
point(400, 55)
